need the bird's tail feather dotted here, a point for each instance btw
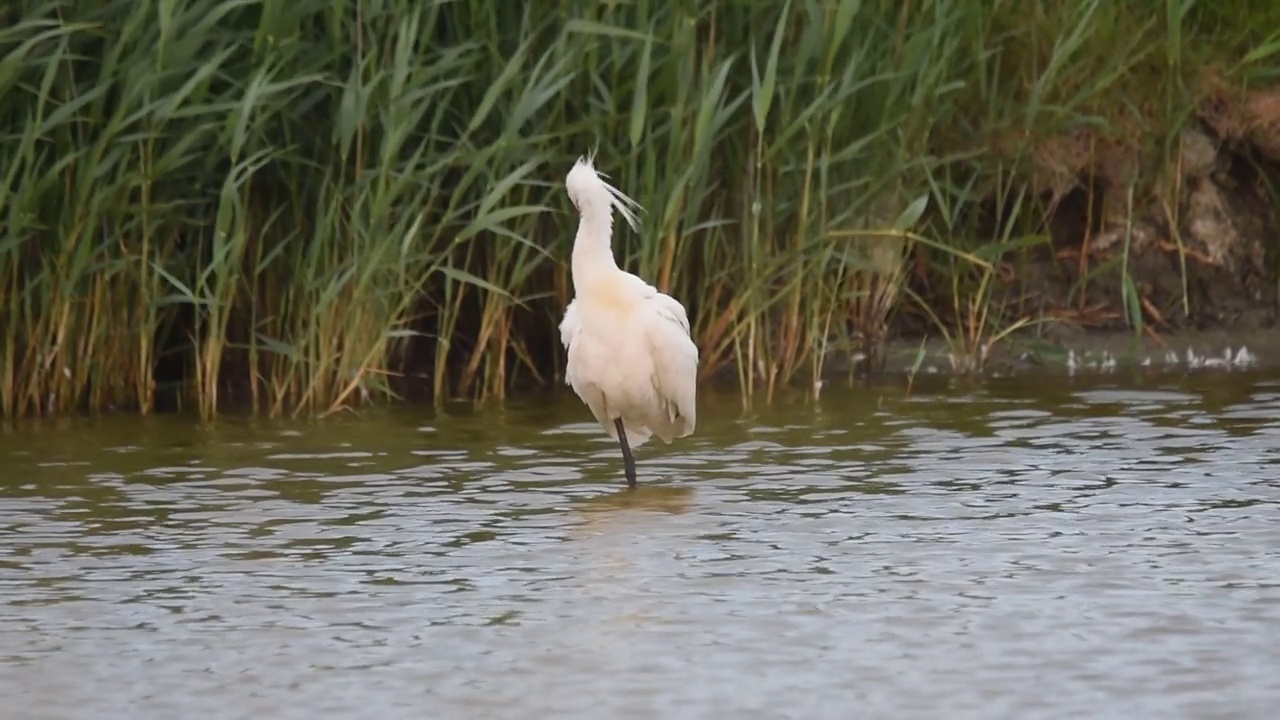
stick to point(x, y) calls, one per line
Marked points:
point(640, 432)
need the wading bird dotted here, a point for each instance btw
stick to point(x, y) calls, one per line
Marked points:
point(631, 359)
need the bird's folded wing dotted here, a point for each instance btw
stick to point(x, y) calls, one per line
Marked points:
point(569, 325)
point(675, 357)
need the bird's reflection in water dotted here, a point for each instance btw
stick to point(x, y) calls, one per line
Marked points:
point(655, 498)
point(610, 524)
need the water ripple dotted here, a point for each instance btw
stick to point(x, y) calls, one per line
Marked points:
point(978, 553)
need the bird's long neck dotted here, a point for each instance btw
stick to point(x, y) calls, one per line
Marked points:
point(592, 250)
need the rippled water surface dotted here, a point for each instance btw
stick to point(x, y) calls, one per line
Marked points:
point(1038, 548)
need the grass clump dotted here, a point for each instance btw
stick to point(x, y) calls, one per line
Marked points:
point(300, 206)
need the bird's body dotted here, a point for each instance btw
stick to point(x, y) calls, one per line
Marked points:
point(631, 359)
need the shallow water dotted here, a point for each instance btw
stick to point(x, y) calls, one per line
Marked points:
point(1035, 548)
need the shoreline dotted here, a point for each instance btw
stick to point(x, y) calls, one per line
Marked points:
point(1091, 352)
point(1087, 353)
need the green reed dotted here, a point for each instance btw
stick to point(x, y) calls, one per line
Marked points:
point(302, 206)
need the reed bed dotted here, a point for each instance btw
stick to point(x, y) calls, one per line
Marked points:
point(300, 206)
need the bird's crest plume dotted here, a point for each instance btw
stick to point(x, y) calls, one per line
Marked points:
point(587, 188)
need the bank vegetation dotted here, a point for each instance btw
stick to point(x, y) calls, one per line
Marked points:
point(299, 206)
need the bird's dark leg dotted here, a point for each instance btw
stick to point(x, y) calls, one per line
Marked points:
point(628, 462)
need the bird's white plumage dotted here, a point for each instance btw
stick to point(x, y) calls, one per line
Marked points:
point(629, 347)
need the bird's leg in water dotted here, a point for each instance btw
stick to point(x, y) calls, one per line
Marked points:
point(628, 462)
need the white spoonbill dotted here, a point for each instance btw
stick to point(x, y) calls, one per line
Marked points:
point(631, 359)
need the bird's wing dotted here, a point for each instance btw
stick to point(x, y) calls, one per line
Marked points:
point(569, 327)
point(570, 324)
point(675, 357)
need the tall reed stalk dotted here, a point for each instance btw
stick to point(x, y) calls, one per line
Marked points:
point(301, 206)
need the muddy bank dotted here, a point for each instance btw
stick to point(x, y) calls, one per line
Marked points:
point(1178, 239)
point(1195, 247)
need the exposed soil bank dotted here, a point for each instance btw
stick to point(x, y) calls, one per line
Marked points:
point(1181, 242)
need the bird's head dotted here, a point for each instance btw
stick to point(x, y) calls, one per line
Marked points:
point(590, 193)
point(583, 182)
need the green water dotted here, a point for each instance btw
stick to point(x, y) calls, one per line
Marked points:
point(1040, 547)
